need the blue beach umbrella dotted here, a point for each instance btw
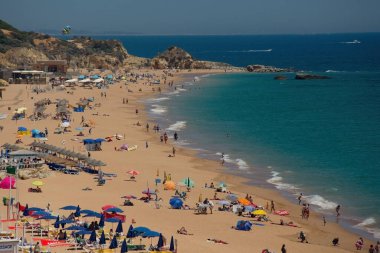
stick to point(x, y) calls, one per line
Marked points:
point(124, 247)
point(93, 236)
point(114, 210)
point(232, 197)
point(71, 208)
point(86, 211)
point(224, 202)
point(102, 239)
point(112, 220)
point(77, 211)
point(101, 222)
point(40, 213)
point(94, 214)
point(119, 228)
point(140, 230)
point(83, 232)
point(130, 233)
point(113, 244)
point(160, 243)
point(56, 223)
point(150, 234)
point(171, 244)
point(48, 217)
point(66, 221)
point(75, 228)
point(34, 209)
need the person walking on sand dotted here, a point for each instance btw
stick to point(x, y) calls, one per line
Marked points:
point(272, 208)
point(324, 221)
point(299, 199)
point(146, 144)
point(283, 249)
point(173, 151)
point(147, 127)
point(165, 137)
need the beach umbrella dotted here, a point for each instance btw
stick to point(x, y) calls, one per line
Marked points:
point(222, 184)
point(37, 183)
point(124, 247)
point(259, 212)
point(101, 222)
point(224, 202)
point(113, 244)
point(130, 233)
point(232, 197)
point(150, 234)
point(160, 243)
point(75, 227)
point(94, 214)
point(114, 210)
point(249, 208)
point(56, 223)
point(83, 232)
point(104, 208)
point(244, 201)
point(133, 172)
point(8, 183)
point(33, 209)
point(66, 221)
point(149, 192)
point(72, 208)
point(48, 217)
point(102, 239)
point(40, 213)
point(112, 220)
point(93, 236)
point(176, 203)
point(86, 211)
point(169, 185)
point(171, 244)
point(119, 228)
point(77, 211)
point(188, 182)
point(140, 230)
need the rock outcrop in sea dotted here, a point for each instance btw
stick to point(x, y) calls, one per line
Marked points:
point(303, 76)
point(266, 69)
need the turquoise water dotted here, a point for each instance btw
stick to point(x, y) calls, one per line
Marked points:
point(319, 137)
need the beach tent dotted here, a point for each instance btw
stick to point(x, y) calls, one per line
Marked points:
point(176, 203)
point(243, 225)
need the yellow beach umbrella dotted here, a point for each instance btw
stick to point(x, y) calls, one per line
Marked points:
point(259, 212)
point(169, 185)
point(38, 183)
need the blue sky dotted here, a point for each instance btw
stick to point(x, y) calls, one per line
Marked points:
point(195, 16)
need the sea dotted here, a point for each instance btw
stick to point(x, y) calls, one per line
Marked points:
point(316, 137)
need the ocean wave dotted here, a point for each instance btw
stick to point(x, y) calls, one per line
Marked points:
point(332, 71)
point(277, 181)
point(158, 109)
point(321, 202)
point(180, 89)
point(178, 126)
point(155, 100)
point(242, 164)
point(367, 222)
point(172, 93)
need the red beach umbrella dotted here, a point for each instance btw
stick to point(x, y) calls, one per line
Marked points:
point(133, 172)
point(107, 207)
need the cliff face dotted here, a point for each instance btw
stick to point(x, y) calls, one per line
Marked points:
point(175, 57)
point(19, 48)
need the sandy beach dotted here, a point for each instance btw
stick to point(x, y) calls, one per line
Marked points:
point(114, 117)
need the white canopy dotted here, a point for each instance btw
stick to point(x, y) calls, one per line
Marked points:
point(87, 80)
point(72, 80)
point(99, 80)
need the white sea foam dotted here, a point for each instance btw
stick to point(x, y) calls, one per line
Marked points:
point(332, 71)
point(180, 89)
point(158, 109)
point(178, 126)
point(172, 93)
point(156, 100)
point(367, 222)
point(321, 202)
point(242, 164)
point(277, 181)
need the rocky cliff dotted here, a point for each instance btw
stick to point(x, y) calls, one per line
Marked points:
point(18, 48)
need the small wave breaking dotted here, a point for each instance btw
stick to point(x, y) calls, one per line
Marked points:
point(178, 126)
point(276, 180)
point(321, 202)
point(158, 109)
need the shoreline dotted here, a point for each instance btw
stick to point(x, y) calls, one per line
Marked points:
point(186, 163)
point(287, 197)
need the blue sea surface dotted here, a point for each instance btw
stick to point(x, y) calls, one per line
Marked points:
point(318, 137)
